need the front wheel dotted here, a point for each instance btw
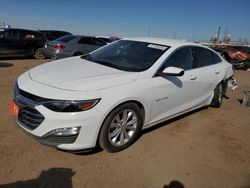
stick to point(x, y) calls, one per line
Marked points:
point(121, 128)
point(38, 53)
point(218, 95)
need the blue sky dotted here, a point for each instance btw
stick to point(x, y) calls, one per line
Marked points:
point(182, 19)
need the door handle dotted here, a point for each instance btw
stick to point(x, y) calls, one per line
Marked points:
point(193, 77)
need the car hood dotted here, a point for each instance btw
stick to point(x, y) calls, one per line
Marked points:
point(77, 74)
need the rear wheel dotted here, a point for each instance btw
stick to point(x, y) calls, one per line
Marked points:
point(218, 96)
point(38, 53)
point(121, 128)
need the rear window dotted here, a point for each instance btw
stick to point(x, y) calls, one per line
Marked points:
point(11, 34)
point(66, 38)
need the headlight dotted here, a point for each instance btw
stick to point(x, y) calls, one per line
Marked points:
point(71, 106)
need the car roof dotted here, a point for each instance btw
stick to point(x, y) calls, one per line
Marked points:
point(20, 29)
point(162, 41)
point(49, 30)
point(88, 36)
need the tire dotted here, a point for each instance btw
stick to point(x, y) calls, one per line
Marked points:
point(121, 128)
point(218, 96)
point(38, 53)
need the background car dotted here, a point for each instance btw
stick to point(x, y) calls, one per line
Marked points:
point(71, 45)
point(108, 39)
point(21, 42)
point(54, 34)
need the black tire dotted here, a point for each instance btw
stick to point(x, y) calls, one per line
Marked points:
point(107, 142)
point(218, 96)
point(38, 53)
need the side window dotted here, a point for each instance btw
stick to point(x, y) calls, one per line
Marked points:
point(204, 57)
point(99, 42)
point(27, 35)
point(182, 58)
point(85, 40)
point(11, 34)
point(215, 57)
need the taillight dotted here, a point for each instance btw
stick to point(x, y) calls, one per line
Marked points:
point(59, 46)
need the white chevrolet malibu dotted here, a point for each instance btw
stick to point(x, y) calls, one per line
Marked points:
point(107, 97)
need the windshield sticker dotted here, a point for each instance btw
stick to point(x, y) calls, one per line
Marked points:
point(155, 46)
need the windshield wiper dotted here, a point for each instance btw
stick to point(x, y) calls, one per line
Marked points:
point(106, 63)
point(86, 56)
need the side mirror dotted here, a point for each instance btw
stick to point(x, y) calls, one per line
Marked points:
point(173, 71)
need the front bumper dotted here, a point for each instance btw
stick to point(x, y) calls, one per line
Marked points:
point(89, 123)
point(44, 121)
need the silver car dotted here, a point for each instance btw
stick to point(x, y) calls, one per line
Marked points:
point(71, 45)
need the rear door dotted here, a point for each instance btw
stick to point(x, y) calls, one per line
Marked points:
point(29, 41)
point(85, 45)
point(89, 44)
point(208, 70)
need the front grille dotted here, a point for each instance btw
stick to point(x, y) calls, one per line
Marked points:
point(52, 139)
point(30, 117)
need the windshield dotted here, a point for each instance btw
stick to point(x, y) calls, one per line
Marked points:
point(128, 55)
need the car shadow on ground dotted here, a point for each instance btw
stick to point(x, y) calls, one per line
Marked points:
point(97, 149)
point(174, 184)
point(90, 151)
point(5, 65)
point(15, 58)
point(52, 178)
point(167, 122)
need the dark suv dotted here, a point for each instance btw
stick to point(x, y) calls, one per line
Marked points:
point(54, 34)
point(21, 42)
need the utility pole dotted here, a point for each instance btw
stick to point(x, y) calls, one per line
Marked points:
point(218, 34)
point(149, 32)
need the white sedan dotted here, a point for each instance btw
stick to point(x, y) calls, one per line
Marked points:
point(107, 97)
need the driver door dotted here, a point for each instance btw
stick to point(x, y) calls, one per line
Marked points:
point(174, 94)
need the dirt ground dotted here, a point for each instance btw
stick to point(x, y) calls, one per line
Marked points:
point(209, 148)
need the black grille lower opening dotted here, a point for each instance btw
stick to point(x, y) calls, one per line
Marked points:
point(53, 139)
point(30, 117)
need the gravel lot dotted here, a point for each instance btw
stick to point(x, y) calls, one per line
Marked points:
point(208, 148)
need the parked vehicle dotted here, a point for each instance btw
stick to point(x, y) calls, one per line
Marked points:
point(238, 56)
point(54, 34)
point(108, 39)
point(21, 42)
point(71, 45)
point(108, 96)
